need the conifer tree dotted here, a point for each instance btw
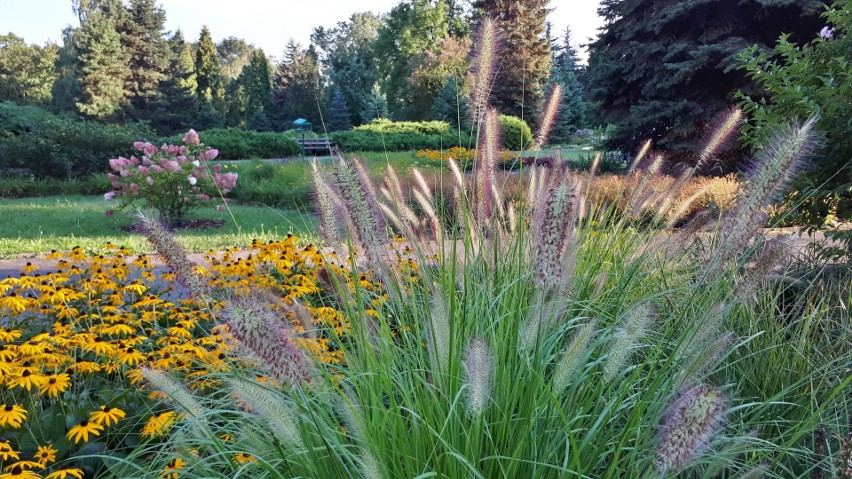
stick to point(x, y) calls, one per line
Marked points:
point(524, 68)
point(663, 69)
point(375, 106)
point(178, 89)
point(102, 69)
point(296, 87)
point(207, 73)
point(451, 104)
point(258, 82)
point(147, 55)
point(572, 111)
point(338, 117)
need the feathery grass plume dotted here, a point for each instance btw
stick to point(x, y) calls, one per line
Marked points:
point(177, 393)
point(587, 186)
point(479, 373)
point(537, 317)
point(551, 232)
point(362, 217)
point(484, 67)
point(457, 174)
point(710, 325)
point(639, 157)
point(325, 207)
point(173, 253)
point(718, 137)
point(573, 357)
point(775, 166)
point(688, 425)
point(438, 332)
point(775, 250)
point(637, 199)
point(704, 360)
point(548, 116)
point(762, 470)
point(371, 467)
point(488, 155)
point(253, 320)
point(370, 191)
point(636, 323)
point(274, 413)
point(682, 208)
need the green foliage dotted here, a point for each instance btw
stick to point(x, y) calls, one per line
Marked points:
point(451, 105)
point(16, 119)
point(237, 144)
point(284, 185)
point(349, 59)
point(572, 110)
point(798, 81)
point(27, 72)
point(102, 68)
point(178, 89)
point(208, 75)
point(516, 133)
point(525, 55)
point(354, 140)
point(384, 125)
point(60, 148)
point(663, 69)
point(148, 54)
point(375, 106)
point(338, 113)
point(411, 28)
point(27, 186)
point(432, 69)
point(296, 88)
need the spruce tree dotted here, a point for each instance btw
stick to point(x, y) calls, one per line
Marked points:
point(178, 89)
point(101, 69)
point(148, 57)
point(663, 69)
point(525, 63)
point(296, 87)
point(451, 104)
point(258, 84)
point(207, 73)
point(572, 110)
point(375, 106)
point(338, 114)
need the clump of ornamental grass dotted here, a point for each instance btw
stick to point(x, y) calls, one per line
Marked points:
point(518, 338)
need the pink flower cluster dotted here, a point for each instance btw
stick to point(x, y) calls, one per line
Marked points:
point(170, 178)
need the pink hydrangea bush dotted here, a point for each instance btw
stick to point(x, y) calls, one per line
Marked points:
point(171, 179)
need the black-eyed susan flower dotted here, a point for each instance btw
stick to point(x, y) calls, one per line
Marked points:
point(80, 433)
point(130, 356)
point(243, 458)
point(12, 415)
point(159, 424)
point(106, 416)
point(7, 452)
point(65, 474)
point(10, 335)
point(55, 384)
point(170, 471)
point(45, 455)
point(24, 465)
point(19, 472)
point(26, 379)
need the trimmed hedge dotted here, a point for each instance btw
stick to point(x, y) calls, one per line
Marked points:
point(516, 133)
point(236, 144)
point(382, 125)
point(359, 140)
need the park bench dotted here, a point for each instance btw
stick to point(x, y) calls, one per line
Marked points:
point(324, 144)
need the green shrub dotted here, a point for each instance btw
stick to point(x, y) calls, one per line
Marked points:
point(359, 140)
point(17, 186)
point(61, 148)
point(16, 119)
point(237, 144)
point(383, 125)
point(270, 183)
point(516, 133)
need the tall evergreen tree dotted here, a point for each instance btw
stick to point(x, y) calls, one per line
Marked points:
point(208, 76)
point(572, 111)
point(349, 58)
point(376, 106)
point(338, 113)
point(178, 89)
point(102, 68)
point(526, 58)
point(451, 105)
point(147, 52)
point(66, 88)
point(296, 88)
point(258, 82)
point(663, 69)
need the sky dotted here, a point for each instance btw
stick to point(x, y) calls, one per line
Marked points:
point(267, 24)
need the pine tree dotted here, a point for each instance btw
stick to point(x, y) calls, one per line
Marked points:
point(375, 106)
point(572, 111)
point(296, 88)
point(102, 69)
point(338, 118)
point(207, 73)
point(526, 58)
point(148, 57)
point(258, 84)
point(663, 69)
point(451, 104)
point(178, 89)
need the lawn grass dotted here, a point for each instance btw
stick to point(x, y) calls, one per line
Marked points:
point(39, 225)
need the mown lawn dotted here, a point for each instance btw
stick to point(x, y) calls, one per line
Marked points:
point(38, 225)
